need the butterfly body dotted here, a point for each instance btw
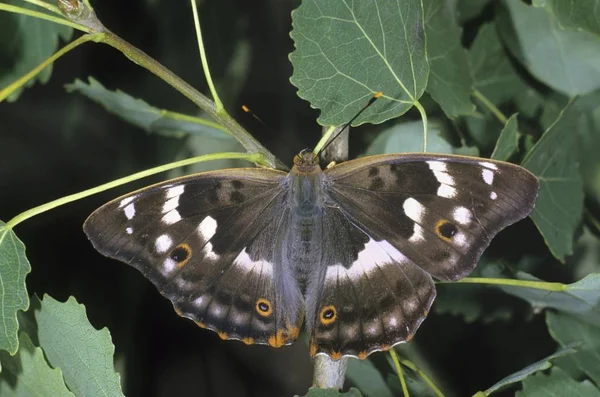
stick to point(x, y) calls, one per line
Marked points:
point(352, 250)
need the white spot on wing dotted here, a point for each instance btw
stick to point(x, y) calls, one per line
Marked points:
point(373, 254)
point(413, 209)
point(129, 211)
point(163, 243)
point(207, 228)
point(243, 261)
point(209, 253)
point(493, 195)
point(171, 217)
point(446, 191)
point(489, 165)
point(459, 239)
point(437, 166)
point(175, 191)
point(126, 201)
point(168, 266)
point(418, 234)
point(462, 215)
point(129, 230)
point(488, 176)
point(198, 301)
point(170, 204)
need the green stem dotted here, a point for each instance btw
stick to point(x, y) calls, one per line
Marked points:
point(423, 375)
point(141, 58)
point(324, 138)
point(400, 373)
point(5, 92)
point(252, 157)
point(45, 5)
point(218, 104)
point(542, 285)
point(41, 15)
point(192, 119)
point(490, 106)
point(421, 109)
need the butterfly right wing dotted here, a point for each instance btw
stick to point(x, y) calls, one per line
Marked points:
point(210, 243)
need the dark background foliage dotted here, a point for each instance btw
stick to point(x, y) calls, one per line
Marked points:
point(53, 143)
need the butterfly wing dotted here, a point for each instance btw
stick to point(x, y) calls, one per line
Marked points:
point(440, 211)
point(207, 243)
point(367, 297)
point(402, 220)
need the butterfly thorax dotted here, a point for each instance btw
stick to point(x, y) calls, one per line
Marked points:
point(306, 200)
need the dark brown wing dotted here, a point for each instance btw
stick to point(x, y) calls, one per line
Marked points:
point(207, 243)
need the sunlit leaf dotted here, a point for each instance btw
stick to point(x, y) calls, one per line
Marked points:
point(574, 14)
point(14, 267)
point(141, 114)
point(559, 205)
point(71, 343)
point(556, 384)
point(26, 42)
point(27, 373)
point(508, 141)
point(450, 81)
point(347, 51)
point(566, 329)
point(531, 369)
point(564, 60)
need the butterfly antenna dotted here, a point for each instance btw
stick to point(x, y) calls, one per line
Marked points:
point(371, 101)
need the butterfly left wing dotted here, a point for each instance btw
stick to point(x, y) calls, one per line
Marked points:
point(207, 243)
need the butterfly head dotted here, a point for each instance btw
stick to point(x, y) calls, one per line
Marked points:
point(306, 162)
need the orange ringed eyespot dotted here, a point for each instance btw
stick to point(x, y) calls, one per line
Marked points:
point(328, 315)
point(181, 254)
point(264, 307)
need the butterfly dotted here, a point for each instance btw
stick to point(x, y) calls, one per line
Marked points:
point(352, 251)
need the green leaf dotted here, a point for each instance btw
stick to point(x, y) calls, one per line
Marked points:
point(475, 302)
point(560, 203)
point(494, 75)
point(580, 299)
point(574, 14)
point(450, 81)
point(408, 138)
point(566, 329)
point(367, 378)
point(556, 384)
point(71, 343)
point(347, 51)
point(531, 369)
point(26, 42)
point(566, 61)
point(508, 141)
point(14, 267)
point(141, 114)
point(316, 392)
point(28, 374)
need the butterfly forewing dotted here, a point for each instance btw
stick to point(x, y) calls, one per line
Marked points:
point(440, 211)
point(207, 243)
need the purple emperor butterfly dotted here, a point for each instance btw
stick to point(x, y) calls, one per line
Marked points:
point(353, 250)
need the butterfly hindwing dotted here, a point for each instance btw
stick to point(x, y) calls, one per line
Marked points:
point(368, 295)
point(440, 211)
point(206, 242)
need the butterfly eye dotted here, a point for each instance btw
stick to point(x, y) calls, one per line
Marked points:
point(263, 307)
point(445, 229)
point(328, 315)
point(181, 254)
